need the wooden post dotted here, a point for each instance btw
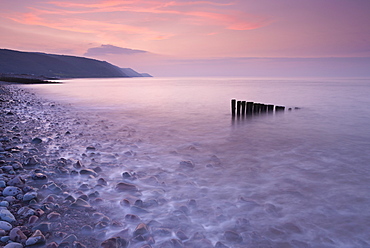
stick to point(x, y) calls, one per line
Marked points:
point(243, 107)
point(270, 108)
point(238, 104)
point(249, 108)
point(256, 108)
point(233, 106)
point(279, 108)
point(263, 108)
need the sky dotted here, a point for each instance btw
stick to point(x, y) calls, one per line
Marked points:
point(198, 38)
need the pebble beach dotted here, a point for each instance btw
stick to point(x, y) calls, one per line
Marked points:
point(48, 200)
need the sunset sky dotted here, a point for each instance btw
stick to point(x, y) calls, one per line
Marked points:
point(191, 38)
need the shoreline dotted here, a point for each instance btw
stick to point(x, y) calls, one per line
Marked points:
point(66, 197)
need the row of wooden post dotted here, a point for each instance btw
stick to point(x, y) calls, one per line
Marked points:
point(249, 108)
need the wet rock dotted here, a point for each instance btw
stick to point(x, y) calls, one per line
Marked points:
point(102, 182)
point(187, 164)
point(141, 229)
point(4, 204)
point(39, 177)
point(88, 172)
point(70, 239)
point(26, 212)
point(162, 232)
point(17, 235)
point(29, 196)
point(181, 235)
point(17, 181)
point(44, 227)
point(31, 161)
point(233, 237)
point(78, 165)
point(6, 215)
point(81, 204)
point(77, 244)
point(11, 191)
point(220, 245)
point(54, 188)
point(115, 242)
point(33, 219)
point(86, 229)
point(132, 218)
point(52, 245)
point(2, 184)
point(36, 141)
point(53, 216)
point(122, 187)
point(139, 210)
point(14, 245)
point(36, 238)
point(5, 225)
point(90, 148)
point(17, 166)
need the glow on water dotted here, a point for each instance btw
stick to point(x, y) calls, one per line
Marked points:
point(299, 178)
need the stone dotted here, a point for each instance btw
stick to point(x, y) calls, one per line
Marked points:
point(26, 212)
point(16, 181)
point(4, 204)
point(187, 164)
point(14, 245)
point(31, 161)
point(115, 242)
point(36, 238)
point(11, 191)
point(77, 244)
point(29, 196)
point(80, 203)
point(17, 235)
point(5, 225)
point(39, 176)
point(233, 237)
point(88, 172)
point(43, 227)
point(78, 165)
point(70, 239)
point(53, 216)
point(122, 187)
point(220, 245)
point(36, 141)
point(6, 215)
point(52, 245)
point(2, 184)
point(141, 229)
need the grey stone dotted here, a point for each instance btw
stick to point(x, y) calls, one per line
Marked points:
point(11, 191)
point(6, 215)
point(17, 235)
point(29, 196)
point(121, 187)
point(88, 172)
point(14, 245)
point(5, 225)
point(36, 238)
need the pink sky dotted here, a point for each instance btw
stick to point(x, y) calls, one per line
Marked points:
point(178, 34)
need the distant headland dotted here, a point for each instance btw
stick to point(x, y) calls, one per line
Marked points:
point(34, 67)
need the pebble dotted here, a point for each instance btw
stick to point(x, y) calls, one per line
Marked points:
point(115, 242)
point(36, 141)
point(187, 164)
point(11, 191)
point(5, 225)
point(6, 215)
point(17, 235)
point(121, 187)
point(36, 238)
point(80, 203)
point(233, 237)
point(14, 245)
point(141, 229)
point(88, 172)
point(29, 196)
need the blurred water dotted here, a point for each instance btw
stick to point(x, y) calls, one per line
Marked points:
point(294, 179)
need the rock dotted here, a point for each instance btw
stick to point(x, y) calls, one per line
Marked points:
point(233, 237)
point(102, 182)
point(187, 164)
point(43, 227)
point(29, 196)
point(132, 218)
point(31, 161)
point(16, 181)
point(82, 204)
point(52, 245)
point(88, 172)
point(78, 165)
point(11, 191)
point(26, 212)
point(162, 232)
point(14, 245)
point(5, 225)
point(122, 187)
point(77, 244)
point(36, 141)
point(2, 184)
point(181, 235)
point(53, 216)
point(6, 215)
point(115, 242)
point(36, 238)
point(4, 204)
point(220, 245)
point(17, 235)
point(141, 229)
point(54, 188)
point(39, 176)
point(70, 239)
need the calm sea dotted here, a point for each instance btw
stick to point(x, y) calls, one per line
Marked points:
point(295, 179)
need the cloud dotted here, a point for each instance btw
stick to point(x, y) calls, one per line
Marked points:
point(111, 50)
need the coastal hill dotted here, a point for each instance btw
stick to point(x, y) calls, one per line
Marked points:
point(59, 66)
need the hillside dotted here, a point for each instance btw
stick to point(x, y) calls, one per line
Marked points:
point(60, 66)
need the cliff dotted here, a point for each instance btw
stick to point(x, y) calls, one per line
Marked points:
point(56, 66)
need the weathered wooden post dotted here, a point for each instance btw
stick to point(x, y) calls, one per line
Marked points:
point(238, 105)
point(233, 106)
point(279, 108)
point(249, 108)
point(270, 108)
point(263, 108)
point(256, 108)
point(243, 107)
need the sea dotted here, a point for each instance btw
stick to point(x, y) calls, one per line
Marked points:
point(294, 178)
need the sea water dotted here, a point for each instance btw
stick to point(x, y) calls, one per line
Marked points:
point(299, 178)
